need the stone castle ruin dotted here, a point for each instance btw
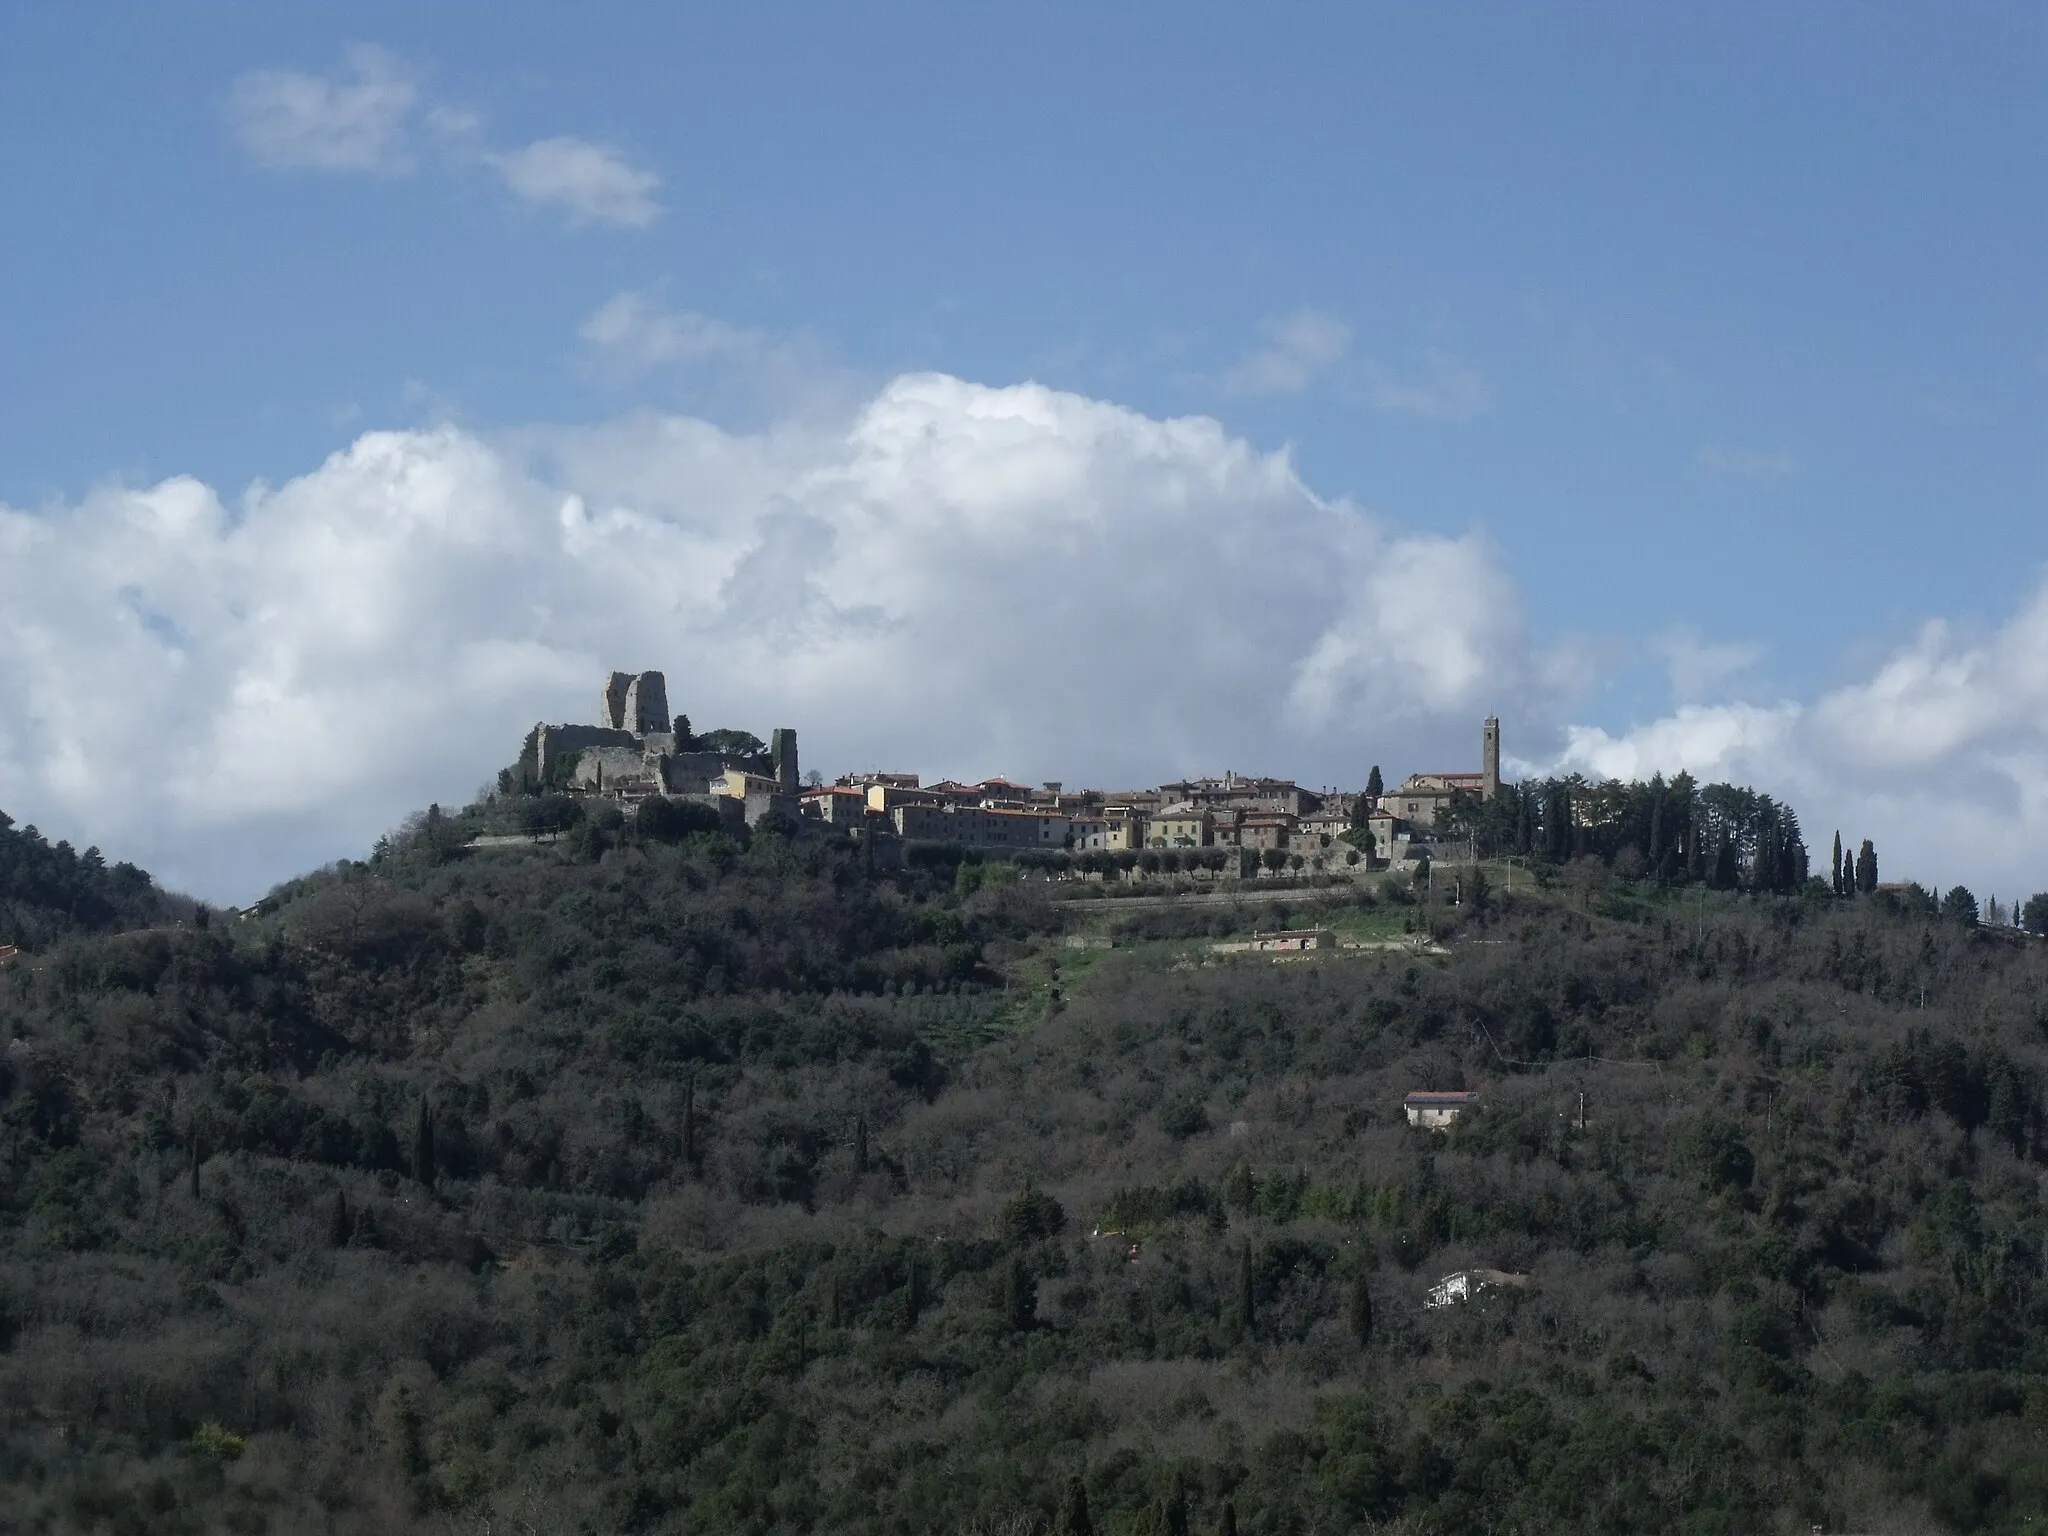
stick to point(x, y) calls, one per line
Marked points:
point(637, 748)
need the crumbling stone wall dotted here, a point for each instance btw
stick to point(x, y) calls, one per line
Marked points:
point(552, 743)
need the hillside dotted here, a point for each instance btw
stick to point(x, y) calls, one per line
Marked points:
point(627, 1184)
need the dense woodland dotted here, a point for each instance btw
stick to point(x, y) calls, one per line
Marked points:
point(657, 1180)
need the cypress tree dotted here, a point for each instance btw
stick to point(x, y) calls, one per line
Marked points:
point(1866, 868)
point(1724, 865)
point(1173, 1515)
point(195, 1165)
point(1247, 1309)
point(423, 1146)
point(1020, 1297)
point(913, 1292)
point(1227, 1526)
point(1359, 1313)
point(1835, 868)
point(1655, 851)
point(1074, 1518)
point(1375, 786)
point(690, 1123)
point(860, 1144)
point(340, 1225)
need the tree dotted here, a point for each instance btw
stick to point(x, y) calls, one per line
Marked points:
point(1835, 866)
point(1020, 1297)
point(1227, 1526)
point(2034, 915)
point(1247, 1302)
point(1375, 786)
point(1274, 859)
point(860, 1144)
point(1074, 1518)
point(1029, 1215)
point(340, 1224)
point(423, 1146)
point(727, 742)
point(1959, 906)
point(689, 1136)
point(1359, 1312)
point(1866, 868)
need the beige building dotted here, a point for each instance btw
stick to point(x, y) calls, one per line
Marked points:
point(1178, 826)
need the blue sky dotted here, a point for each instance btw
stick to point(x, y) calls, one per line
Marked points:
point(1718, 338)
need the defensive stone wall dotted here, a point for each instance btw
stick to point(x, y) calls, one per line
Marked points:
point(554, 742)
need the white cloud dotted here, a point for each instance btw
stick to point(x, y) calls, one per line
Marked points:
point(637, 334)
point(361, 120)
point(591, 182)
point(1940, 756)
point(1748, 463)
point(956, 578)
point(1699, 668)
point(353, 123)
point(1299, 348)
point(1443, 387)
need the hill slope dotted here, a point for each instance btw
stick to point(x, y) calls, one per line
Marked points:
point(628, 1185)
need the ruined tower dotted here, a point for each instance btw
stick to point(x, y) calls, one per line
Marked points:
point(646, 704)
point(636, 704)
point(782, 753)
point(611, 709)
point(1489, 758)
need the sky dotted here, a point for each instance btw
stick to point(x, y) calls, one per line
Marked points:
point(1092, 393)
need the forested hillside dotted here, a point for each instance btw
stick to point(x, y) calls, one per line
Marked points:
point(637, 1184)
point(51, 889)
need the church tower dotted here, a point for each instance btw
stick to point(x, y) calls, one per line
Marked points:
point(1489, 758)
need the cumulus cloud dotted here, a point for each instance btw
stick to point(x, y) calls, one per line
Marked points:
point(352, 122)
point(1940, 755)
point(592, 183)
point(1299, 348)
point(952, 578)
point(1440, 387)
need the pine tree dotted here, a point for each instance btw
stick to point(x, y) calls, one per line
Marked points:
point(1360, 1311)
point(423, 1146)
point(1835, 867)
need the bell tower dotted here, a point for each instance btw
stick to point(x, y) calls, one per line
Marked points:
point(1489, 758)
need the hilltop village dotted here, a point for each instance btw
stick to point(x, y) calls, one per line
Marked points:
point(1244, 822)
